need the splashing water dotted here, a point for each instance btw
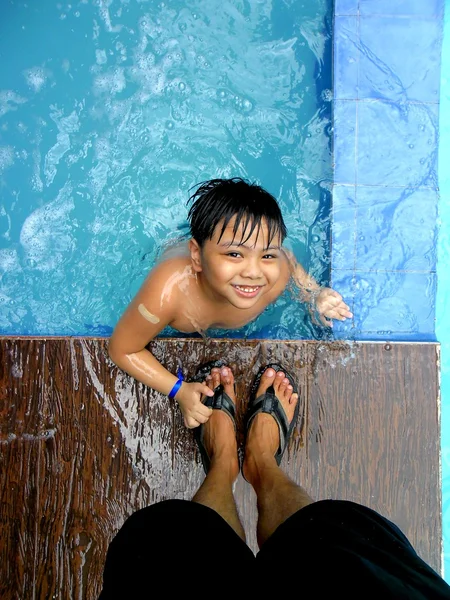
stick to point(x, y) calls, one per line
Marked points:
point(102, 138)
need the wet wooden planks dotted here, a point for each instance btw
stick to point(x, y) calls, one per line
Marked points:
point(82, 446)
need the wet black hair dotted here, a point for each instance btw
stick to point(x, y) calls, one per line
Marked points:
point(219, 200)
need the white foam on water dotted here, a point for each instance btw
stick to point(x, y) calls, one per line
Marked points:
point(100, 57)
point(46, 235)
point(6, 157)
point(103, 9)
point(10, 101)
point(112, 82)
point(36, 78)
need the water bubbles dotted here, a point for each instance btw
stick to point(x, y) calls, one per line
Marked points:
point(315, 238)
point(170, 125)
point(181, 86)
point(411, 146)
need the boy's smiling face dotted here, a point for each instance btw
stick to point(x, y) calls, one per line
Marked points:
point(235, 269)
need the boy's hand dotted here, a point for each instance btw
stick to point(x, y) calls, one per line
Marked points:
point(193, 409)
point(330, 305)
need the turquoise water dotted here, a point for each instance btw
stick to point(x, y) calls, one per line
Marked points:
point(111, 111)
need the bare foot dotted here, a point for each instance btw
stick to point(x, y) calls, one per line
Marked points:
point(263, 437)
point(219, 435)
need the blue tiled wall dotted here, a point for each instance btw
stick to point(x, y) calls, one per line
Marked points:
point(385, 200)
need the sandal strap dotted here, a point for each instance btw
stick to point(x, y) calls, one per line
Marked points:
point(269, 403)
point(222, 401)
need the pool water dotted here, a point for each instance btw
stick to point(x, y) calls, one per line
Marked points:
point(111, 111)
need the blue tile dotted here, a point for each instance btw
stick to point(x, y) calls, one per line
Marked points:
point(393, 336)
point(394, 303)
point(396, 229)
point(346, 55)
point(343, 230)
point(418, 8)
point(346, 7)
point(344, 141)
point(400, 59)
point(397, 144)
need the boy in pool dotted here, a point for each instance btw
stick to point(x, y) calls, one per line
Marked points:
point(235, 268)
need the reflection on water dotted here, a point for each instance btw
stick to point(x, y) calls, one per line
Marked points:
point(110, 112)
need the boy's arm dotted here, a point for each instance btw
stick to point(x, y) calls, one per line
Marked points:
point(308, 286)
point(144, 318)
point(328, 303)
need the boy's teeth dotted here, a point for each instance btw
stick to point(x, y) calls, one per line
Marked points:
point(246, 289)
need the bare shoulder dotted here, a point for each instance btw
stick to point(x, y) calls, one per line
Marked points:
point(155, 306)
point(166, 279)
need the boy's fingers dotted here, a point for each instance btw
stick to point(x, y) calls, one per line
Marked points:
point(190, 422)
point(202, 418)
point(201, 409)
point(325, 321)
point(204, 389)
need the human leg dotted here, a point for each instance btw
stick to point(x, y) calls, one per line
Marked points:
point(219, 438)
point(177, 544)
point(329, 548)
point(278, 497)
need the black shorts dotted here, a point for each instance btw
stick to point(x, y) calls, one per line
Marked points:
point(329, 549)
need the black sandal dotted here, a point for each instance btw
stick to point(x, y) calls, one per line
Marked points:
point(269, 403)
point(220, 401)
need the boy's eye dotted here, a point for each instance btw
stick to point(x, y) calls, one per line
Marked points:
point(233, 254)
point(270, 256)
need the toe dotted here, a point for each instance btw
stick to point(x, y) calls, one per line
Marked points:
point(284, 385)
point(279, 377)
point(227, 380)
point(267, 379)
point(209, 382)
point(227, 377)
point(215, 374)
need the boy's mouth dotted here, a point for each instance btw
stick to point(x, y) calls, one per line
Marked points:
point(247, 291)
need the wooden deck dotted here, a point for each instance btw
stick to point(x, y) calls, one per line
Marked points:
point(82, 446)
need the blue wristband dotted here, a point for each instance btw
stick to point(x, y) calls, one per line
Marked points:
point(173, 392)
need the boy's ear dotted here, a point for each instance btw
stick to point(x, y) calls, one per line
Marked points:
point(196, 255)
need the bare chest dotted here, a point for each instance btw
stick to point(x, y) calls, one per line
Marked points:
point(199, 316)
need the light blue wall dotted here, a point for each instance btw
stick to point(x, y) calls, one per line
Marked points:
point(391, 196)
point(443, 274)
point(386, 89)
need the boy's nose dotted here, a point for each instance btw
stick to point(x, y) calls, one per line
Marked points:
point(252, 270)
